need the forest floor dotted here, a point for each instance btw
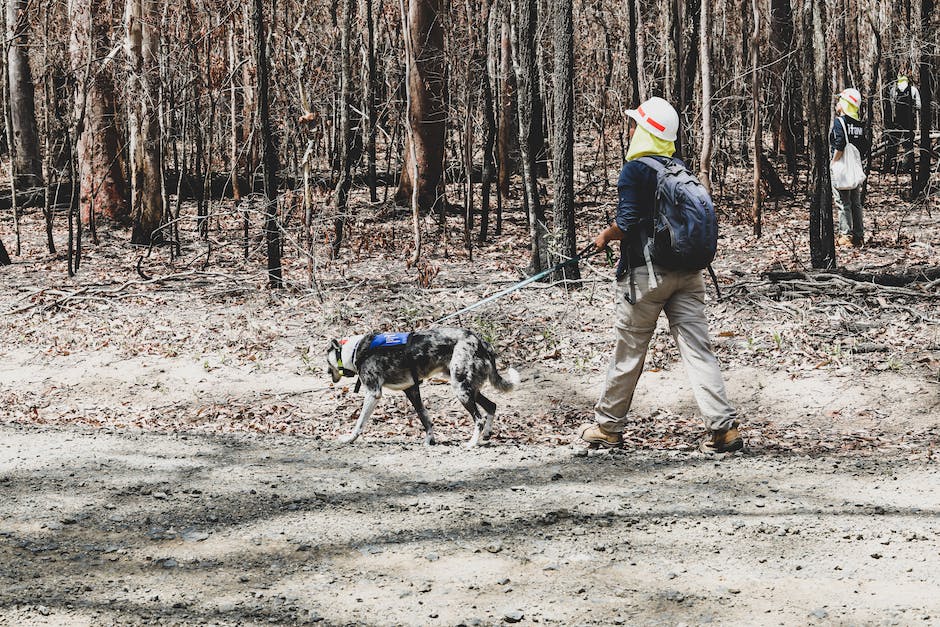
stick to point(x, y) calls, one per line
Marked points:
point(168, 447)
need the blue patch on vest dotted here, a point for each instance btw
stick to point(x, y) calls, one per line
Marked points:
point(389, 340)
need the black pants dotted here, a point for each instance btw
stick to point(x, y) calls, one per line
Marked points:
point(903, 139)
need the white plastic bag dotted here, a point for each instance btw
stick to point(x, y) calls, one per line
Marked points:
point(847, 172)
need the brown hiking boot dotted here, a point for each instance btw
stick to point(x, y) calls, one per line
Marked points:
point(844, 241)
point(726, 441)
point(596, 436)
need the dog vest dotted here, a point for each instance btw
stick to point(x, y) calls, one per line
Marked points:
point(382, 341)
point(389, 340)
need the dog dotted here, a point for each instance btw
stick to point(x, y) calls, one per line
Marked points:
point(401, 361)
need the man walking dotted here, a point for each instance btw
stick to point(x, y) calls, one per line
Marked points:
point(645, 289)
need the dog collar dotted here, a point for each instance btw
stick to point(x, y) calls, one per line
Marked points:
point(346, 360)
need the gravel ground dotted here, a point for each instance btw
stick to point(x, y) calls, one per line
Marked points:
point(120, 527)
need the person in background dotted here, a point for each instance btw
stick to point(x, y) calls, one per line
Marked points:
point(901, 120)
point(848, 127)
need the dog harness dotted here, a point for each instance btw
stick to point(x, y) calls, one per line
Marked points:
point(389, 340)
point(382, 341)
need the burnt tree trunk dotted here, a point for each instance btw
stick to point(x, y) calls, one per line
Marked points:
point(530, 123)
point(817, 104)
point(507, 142)
point(103, 186)
point(705, 157)
point(142, 20)
point(756, 214)
point(272, 233)
point(368, 96)
point(563, 152)
point(427, 79)
point(929, 64)
point(785, 121)
point(489, 124)
point(346, 139)
point(25, 136)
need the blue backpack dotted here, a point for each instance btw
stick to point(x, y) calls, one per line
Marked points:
point(685, 227)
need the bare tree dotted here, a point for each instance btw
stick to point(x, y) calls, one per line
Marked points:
point(530, 121)
point(705, 156)
point(103, 186)
point(426, 106)
point(786, 82)
point(929, 65)
point(368, 96)
point(756, 215)
point(564, 222)
point(507, 141)
point(817, 101)
point(272, 233)
point(142, 45)
point(343, 182)
point(25, 146)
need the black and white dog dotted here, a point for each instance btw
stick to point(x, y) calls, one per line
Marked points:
point(401, 361)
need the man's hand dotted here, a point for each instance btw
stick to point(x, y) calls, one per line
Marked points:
point(610, 234)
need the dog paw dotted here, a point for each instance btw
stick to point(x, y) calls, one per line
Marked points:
point(347, 439)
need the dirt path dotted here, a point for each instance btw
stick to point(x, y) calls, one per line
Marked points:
point(168, 456)
point(102, 528)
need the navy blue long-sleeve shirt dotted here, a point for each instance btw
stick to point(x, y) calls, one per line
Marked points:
point(857, 136)
point(636, 188)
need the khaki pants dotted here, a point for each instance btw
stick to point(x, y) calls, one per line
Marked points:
point(682, 296)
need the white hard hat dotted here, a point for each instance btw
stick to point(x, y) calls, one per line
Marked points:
point(658, 117)
point(852, 96)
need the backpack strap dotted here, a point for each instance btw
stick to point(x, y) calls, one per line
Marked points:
point(845, 130)
point(711, 272)
point(659, 167)
point(654, 163)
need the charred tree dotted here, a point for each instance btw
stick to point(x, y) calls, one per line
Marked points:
point(4, 256)
point(346, 139)
point(929, 65)
point(530, 124)
point(489, 125)
point(142, 44)
point(370, 127)
point(507, 142)
point(427, 107)
point(756, 214)
point(272, 233)
point(705, 156)
point(103, 186)
point(817, 104)
point(563, 152)
point(25, 136)
point(785, 122)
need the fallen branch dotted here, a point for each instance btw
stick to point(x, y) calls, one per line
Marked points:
point(929, 275)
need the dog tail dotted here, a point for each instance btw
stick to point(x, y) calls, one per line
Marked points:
point(503, 384)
